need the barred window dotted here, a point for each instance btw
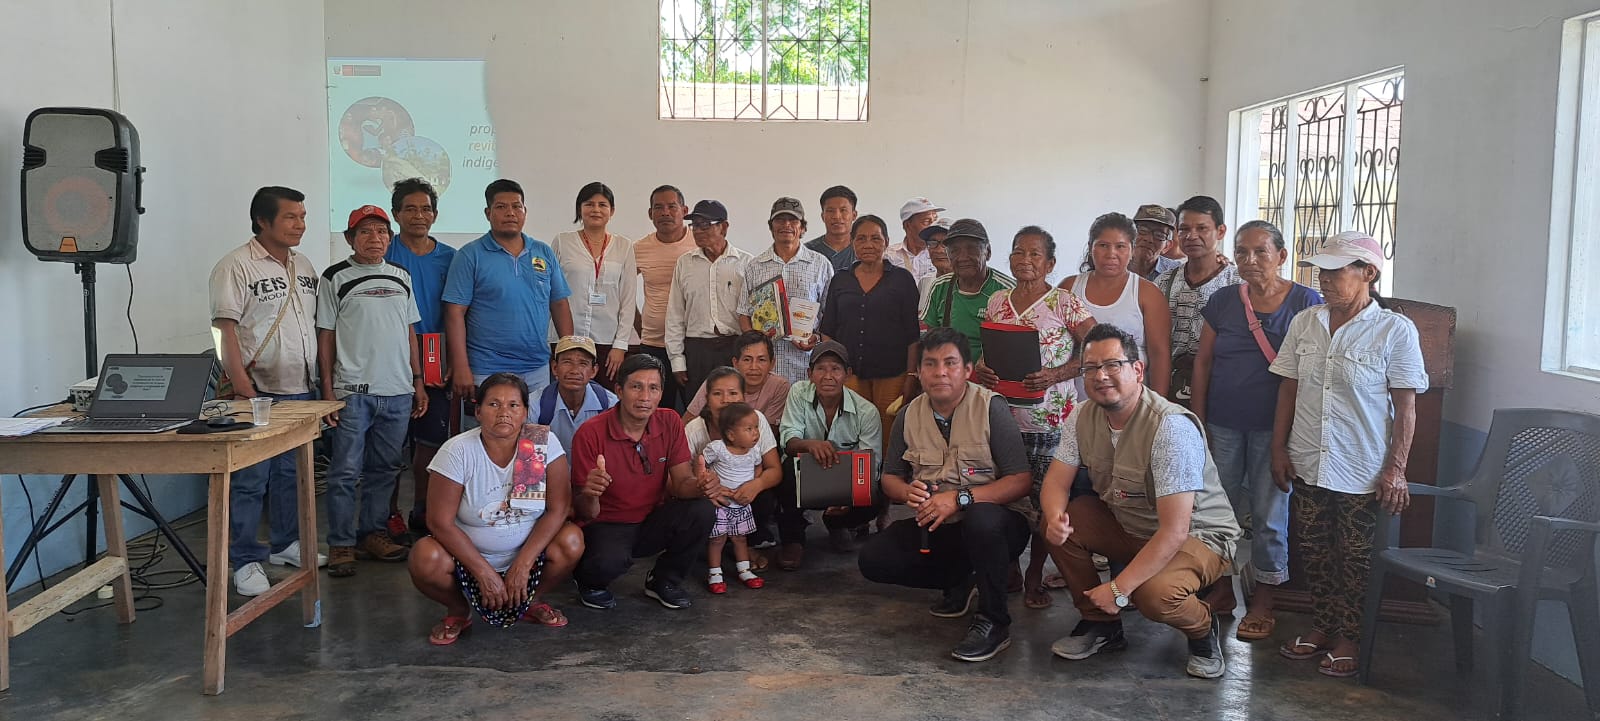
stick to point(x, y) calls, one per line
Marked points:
point(765, 59)
point(1572, 295)
point(1323, 162)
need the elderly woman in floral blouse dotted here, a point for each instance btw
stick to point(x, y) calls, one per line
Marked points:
point(1061, 320)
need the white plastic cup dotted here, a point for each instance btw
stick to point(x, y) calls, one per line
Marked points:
point(261, 410)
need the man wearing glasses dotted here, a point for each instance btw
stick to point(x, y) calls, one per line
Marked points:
point(636, 494)
point(416, 207)
point(1156, 225)
point(1158, 511)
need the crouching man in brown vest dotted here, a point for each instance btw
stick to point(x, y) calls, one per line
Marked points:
point(956, 457)
point(1157, 507)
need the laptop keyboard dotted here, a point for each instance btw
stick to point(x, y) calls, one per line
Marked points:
point(120, 424)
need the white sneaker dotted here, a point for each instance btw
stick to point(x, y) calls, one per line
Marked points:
point(290, 556)
point(251, 580)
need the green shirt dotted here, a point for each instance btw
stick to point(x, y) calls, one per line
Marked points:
point(966, 309)
point(857, 427)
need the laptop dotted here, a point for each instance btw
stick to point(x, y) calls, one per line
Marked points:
point(148, 393)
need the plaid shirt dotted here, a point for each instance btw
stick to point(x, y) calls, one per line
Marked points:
point(806, 276)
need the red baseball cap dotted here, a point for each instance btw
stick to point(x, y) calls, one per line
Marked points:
point(364, 212)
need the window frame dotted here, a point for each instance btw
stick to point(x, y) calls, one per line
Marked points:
point(1243, 179)
point(768, 111)
point(1574, 208)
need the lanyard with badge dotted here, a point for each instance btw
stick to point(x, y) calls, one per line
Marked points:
point(596, 296)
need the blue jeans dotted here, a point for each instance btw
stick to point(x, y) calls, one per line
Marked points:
point(1244, 465)
point(273, 479)
point(366, 447)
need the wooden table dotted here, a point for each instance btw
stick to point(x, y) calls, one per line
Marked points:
point(295, 424)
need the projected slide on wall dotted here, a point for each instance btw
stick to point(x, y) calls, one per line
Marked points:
point(392, 119)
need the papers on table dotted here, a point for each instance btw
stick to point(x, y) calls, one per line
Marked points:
point(15, 427)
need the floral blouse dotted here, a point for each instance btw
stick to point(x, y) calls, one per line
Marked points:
point(1055, 315)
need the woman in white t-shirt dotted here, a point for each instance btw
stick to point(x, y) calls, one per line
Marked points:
point(497, 505)
point(725, 387)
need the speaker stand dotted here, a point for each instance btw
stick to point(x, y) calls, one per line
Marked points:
point(42, 527)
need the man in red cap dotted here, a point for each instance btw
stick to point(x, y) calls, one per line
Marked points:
point(367, 351)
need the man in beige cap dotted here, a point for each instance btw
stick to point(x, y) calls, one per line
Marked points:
point(1156, 225)
point(575, 397)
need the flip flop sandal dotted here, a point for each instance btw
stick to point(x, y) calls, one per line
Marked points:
point(759, 561)
point(1255, 628)
point(1292, 650)
point(449, 629)
point(1037, 597)
point(1326, 668)
point(544, 614)
point(1055, 582)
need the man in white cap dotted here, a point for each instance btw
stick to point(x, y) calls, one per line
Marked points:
point(912, 253)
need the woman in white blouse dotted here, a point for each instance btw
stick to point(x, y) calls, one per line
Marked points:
point(599, 268)
point(1342, 434)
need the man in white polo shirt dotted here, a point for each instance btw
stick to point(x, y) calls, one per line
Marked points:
point(912, 253)
point(263, 301)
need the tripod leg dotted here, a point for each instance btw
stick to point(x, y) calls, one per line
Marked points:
point(38, 532)
point(116, 545)
point(147, 508)
point(91, 505)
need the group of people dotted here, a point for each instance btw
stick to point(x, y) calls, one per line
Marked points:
point(1182, 395)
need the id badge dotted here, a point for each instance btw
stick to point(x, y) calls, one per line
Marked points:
point(597, 298)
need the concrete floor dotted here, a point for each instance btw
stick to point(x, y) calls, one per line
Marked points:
point(817, 644)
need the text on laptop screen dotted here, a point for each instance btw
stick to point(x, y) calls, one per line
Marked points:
point(136, 383)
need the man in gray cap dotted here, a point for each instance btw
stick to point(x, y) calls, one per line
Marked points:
point(958, 300)
point(1156, 225)
point(806, 274)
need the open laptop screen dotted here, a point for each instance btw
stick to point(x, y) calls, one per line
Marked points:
point(151, 386)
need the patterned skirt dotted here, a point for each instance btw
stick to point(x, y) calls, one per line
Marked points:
point(497, 617)
point(734, 521)
point(1041, 450)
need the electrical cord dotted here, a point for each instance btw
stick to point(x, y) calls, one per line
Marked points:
point(131, 326)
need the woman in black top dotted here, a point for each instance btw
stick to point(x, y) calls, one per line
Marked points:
point(872, 311)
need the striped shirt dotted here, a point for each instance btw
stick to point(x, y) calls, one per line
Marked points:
point(805, 276)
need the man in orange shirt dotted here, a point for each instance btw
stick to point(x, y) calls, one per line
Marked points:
point(655, 255)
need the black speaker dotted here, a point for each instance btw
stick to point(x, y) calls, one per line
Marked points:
point(81, 185)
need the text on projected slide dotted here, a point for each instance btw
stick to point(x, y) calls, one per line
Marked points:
point(393, 119)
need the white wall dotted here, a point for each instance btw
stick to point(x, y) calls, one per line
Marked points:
point(226, 97)
point(1477, 147)
point(1028, 111)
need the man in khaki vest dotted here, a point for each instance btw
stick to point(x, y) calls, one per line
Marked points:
point(955, 456)
point(1157, 507)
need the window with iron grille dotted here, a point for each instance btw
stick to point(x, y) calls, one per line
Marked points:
point(765, 59)
point(1323, 162)
point(1572, 294)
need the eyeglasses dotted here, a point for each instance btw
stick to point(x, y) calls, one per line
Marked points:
point(644, 459)
point(1110, 367)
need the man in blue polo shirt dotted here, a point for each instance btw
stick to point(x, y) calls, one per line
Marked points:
point(503, 291)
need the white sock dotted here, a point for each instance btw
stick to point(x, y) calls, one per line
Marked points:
point(745, 573)
point(715, 575)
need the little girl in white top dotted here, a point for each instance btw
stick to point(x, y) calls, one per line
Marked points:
point(735, 460)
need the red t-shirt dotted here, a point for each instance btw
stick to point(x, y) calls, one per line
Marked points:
point(635, 489)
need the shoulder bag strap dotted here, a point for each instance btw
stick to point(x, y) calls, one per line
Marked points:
point(1255, 324)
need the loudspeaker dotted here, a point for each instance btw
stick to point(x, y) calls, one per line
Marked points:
point(81, 185)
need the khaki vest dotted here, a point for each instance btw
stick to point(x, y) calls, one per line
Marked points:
point(962, 462)
point(1123, 479)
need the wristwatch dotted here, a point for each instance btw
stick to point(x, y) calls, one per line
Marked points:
point(963, 498)
point(1120, 600)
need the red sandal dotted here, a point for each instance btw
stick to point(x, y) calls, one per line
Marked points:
point(448, 630)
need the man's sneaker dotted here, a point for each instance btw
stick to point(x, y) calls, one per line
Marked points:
point(955, 602)
point(290, 556)
point(598, 598)
point(666, 592)
point(1090, 637)
point(251, 580)
point(378, 546)
point(984, 640)
point(1205, 654)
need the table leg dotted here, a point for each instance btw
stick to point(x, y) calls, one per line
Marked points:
point(310, 598)
point(116, 545)
point(5, 619)
point(217, 579)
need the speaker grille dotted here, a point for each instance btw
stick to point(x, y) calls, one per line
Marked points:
point(32, 157)
point(112, 159)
